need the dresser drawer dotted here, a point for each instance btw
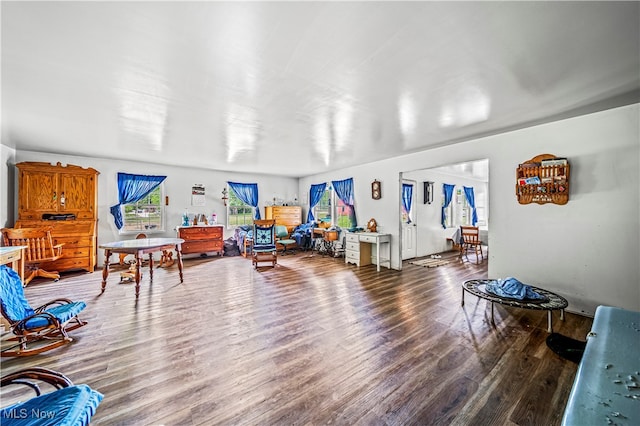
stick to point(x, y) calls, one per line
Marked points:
point(367, 238)
point(353, 246)
point(200, 232)
point(352, 237)
point(73, 242)
point(353, 255)
point(201, 246)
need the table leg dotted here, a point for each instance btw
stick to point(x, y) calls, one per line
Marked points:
point(378, 254)
point(151, 266)
point(549, 323)
point(462, 304)
point(562, 314)
point(138, 273)
point(179, 256)
point(105, 269)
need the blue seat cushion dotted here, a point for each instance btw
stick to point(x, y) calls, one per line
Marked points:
point(62, 312)
point(287, 242)
point(71, 406)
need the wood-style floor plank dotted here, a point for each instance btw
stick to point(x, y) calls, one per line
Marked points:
point(313, 341)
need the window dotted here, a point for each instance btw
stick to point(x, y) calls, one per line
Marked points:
point(322, 210)
point(459, 211)
point(145, 215)
point(238, 213)
point(344, 213)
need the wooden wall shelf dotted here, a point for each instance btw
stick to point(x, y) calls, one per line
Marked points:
point(543, 179)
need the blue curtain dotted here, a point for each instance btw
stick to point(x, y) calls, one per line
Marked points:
point(407, 195)
point(248, 194)
point(344, 191)
point(132, 188)
point(448, 195)
point(315, 195)
point(468, 192)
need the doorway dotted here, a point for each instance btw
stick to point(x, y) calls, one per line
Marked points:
point(435, 227)
point(408, 218)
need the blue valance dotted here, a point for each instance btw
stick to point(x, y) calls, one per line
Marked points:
point(468, 192)
point(315, 195)
point(132, 188)
point(248, 194)
point(344, 191)
point(447, 189)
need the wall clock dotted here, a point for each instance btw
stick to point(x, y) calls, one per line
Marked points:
point(376, 190)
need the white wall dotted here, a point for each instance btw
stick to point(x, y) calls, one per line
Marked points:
point(7, 187)
point(177, 187)
point(431, 236)
point(587, 250)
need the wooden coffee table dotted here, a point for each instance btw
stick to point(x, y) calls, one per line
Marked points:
point(551, 301)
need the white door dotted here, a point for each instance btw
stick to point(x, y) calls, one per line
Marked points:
point(408, 219)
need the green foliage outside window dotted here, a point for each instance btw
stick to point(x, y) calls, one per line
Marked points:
point(146, 214)
point(238, 213)
point(322, 210)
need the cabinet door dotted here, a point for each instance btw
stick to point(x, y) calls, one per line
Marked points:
point(78, 191)
point(38, 194)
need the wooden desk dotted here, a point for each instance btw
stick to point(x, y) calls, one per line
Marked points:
point(354, 249)
point(15, 256)
point(139, 248)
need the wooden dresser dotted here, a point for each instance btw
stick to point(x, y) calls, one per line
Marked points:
point(289, 216)
point(57, 192)
point(202, 239)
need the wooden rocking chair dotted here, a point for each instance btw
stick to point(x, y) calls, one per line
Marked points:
point(264, 243)
point(40, 249)
point(36, 330)
point(67, 404)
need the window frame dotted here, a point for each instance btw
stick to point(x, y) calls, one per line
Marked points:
point(140, 205)
point(233, 198)
point(328, 206)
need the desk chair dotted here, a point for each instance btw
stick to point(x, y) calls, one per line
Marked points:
point(282, 237)
point(470, 240)
point(40, 249)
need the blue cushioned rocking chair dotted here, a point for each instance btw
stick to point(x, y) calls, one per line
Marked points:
point(264, 243)
point(69, 404)
point(41, 329)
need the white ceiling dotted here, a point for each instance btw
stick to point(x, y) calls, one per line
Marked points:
point(298, 88)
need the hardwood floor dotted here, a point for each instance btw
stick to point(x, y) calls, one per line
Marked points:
point(313, 341)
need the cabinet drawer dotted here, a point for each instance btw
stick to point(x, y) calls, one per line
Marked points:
point(72, 242)
point(67, 263)
point(70, 252)
point(367, 238)
point(354, 255)
point(200, 232)
point(352, 237)
point(201, 246)
point(353, 246)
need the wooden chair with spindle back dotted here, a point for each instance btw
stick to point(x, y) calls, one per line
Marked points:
point(40, 249)
point(470, 240)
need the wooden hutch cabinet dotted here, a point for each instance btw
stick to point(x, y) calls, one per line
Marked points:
point(65, 197)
